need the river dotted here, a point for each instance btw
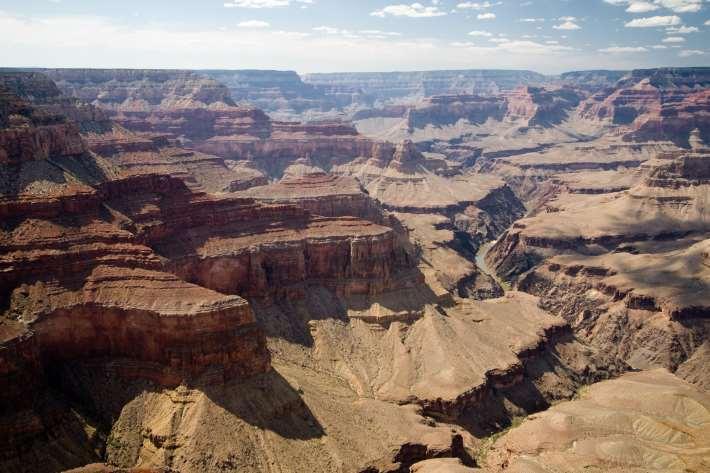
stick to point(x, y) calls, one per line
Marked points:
point(483, 266)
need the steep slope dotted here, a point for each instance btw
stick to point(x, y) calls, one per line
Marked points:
point(90, 257)
point(655, 105)
point(410, 86)
point(641, 422)
point(166, 307)
point(632, 275)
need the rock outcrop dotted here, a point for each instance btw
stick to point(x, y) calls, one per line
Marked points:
point(319, 193)
point(537, 106)
point(655, 105)
point(93, 250)
point(284, 93)
point(447, 110)
point(630, 277)
point(189, 284)
point(385, 86)
point(592, 81)
point(648, 421)
point(139, 89)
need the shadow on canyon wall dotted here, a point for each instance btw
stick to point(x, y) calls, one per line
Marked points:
point(266, 401)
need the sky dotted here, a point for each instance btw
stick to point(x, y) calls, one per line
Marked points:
point(548, 36)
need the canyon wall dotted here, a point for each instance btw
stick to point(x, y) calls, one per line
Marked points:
point(111, 261)
point(187, 282)
point(630, 277)
point(655, 105)
point(385, 86)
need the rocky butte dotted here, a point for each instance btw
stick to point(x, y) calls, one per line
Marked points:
point(446, 271)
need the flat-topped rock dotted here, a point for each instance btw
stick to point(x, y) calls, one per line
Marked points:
point(321, 194)
point(597, 182)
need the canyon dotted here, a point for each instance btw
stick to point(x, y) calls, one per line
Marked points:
point(441, 271)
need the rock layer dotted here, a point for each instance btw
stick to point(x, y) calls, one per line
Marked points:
point(633, 276)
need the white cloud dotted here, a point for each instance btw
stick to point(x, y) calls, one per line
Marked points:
point(379, 33)
point(415, 10)
point(516, 48)
point(674, 39)
point(568, 25)
point(681, 6)
point(659, 46)
point(641, 7)
point(103, 42)
point(486, 16)
point(691, 52)
point(326, 29)
point(682, 29)
point(532, 20)
point(531, 47)
point(623, 49)
point(291, 34)
point(477, 6)
point(253, 24)
point(653, 22)
point(480, 33)
point(263, 3)
point(465, 44)
point(707, 23)
point(369, 34)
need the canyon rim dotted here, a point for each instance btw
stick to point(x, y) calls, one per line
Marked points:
point(428, 269)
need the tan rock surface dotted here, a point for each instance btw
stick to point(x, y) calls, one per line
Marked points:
point(641, 422)
point(194, 286)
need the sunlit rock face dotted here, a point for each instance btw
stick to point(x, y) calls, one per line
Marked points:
point(656, 105)
point(191, 283)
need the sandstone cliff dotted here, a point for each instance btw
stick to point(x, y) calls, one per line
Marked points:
point(632, 273)
point(188, 284)
point(657, 104)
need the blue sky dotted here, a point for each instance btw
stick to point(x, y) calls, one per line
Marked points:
point(548, 36)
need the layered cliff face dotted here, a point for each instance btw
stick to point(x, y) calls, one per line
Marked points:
point(414, 85)
point(58, 216)
point(96, 254)
point(139, 89)
point(592, 81)
point(78, 284)
point(655, 105)
point(199, 287)
point(632, 273)
point(34, 132)
point(540, 107)
point(284, 94)
point(447, 110)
